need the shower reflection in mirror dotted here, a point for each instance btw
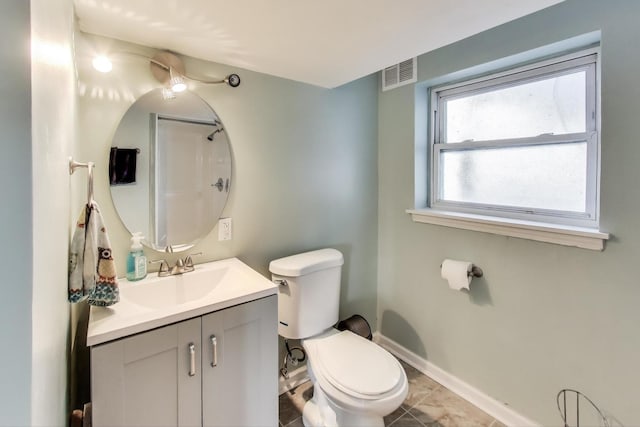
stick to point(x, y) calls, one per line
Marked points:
point(186, 156)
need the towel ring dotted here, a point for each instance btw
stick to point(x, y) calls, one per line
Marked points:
point(73, 165)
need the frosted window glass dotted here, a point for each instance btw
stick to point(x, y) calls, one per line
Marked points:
point(542, 176)
point(552, 105)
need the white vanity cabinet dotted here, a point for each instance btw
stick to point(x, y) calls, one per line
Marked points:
point(219, 369)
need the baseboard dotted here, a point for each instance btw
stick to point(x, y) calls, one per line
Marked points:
point(296, 377)
point(496, 409)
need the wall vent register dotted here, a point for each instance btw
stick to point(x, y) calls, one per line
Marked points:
point(400, 74)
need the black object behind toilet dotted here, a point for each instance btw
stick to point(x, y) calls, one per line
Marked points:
point(356, 324)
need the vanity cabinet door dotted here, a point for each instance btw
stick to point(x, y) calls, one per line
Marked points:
point(149, 379)
point(240, 366)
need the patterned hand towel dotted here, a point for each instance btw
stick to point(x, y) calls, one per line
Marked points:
point(92, 271)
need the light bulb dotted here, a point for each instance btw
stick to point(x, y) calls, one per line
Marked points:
point(167, 94)
point(177, 84)
point(102, 64)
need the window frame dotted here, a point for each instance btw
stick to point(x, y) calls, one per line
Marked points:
point(587, 59)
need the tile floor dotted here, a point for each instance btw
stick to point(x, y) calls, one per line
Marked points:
point(428, 404)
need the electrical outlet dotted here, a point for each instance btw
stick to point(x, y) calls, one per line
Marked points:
point(224, 229)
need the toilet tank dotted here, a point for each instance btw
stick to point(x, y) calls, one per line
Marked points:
point(308, 292)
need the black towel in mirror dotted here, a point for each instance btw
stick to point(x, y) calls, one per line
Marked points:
point(122, 165)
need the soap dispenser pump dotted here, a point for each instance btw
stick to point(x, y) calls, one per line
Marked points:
point(136, 261)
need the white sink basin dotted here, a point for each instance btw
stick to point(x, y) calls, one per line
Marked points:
point(158, 301)
point(175, 290)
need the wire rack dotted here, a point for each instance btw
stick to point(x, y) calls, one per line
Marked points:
point(577, 410)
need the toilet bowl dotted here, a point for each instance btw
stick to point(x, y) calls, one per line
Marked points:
point(356, 382)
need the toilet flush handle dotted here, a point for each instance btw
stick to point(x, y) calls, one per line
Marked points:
point(280, 282)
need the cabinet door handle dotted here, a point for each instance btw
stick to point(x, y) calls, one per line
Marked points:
point(192, 359)
point(214, 351)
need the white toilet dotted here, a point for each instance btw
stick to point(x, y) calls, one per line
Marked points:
point(356, 382)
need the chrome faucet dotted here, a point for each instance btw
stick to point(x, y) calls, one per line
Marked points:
point(164, 267)
point(178, 268)
point(182, 266)
point(188, 261)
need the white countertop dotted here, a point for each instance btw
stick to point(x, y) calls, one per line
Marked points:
point(158, 301)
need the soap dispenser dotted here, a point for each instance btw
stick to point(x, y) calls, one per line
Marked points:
point(136, 261)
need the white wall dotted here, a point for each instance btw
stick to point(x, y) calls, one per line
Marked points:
point(53, 140)
point(16, 247)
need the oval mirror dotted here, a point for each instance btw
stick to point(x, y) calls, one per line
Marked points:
point(170, 169)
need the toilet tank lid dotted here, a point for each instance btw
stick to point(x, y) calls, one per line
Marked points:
point(307, 262)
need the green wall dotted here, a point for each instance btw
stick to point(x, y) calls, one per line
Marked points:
point(16, 249)
point(544, 317)
point(304, 163)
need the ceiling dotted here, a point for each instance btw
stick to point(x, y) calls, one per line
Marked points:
point(325, 43)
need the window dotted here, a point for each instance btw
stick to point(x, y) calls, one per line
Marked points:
point(521, 144)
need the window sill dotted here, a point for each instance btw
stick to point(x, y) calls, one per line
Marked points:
point(580, 237)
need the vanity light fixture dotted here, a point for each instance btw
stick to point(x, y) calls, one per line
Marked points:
point(168, 69)
point(168, 93)
point(176, 82)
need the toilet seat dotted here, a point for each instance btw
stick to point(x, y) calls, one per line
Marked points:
point(358, 380)
point(354, 365)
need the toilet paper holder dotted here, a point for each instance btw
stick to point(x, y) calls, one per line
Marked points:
point(475, 272)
